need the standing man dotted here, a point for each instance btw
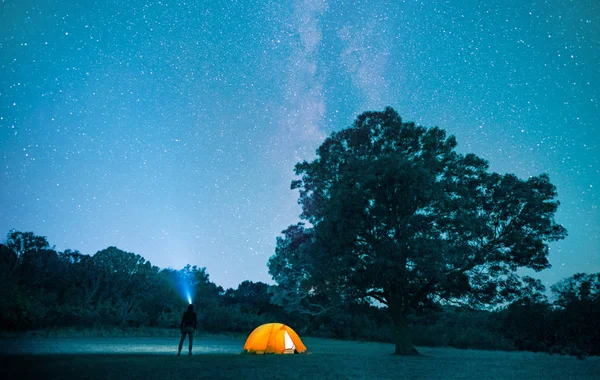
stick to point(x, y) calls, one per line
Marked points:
point(189, 321)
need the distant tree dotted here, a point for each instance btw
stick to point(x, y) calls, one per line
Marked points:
point(40, 267)
point(22, 242)
point(578, 300)
point(71, 284)
point(204, 291)
point(253, 297)
point(27, 267)
point(18, 244)
point(581, 287)
point(8, 262)
point(398, 216)
point(165, 306)
point(123, 280)
point(528, 323)
point(72, 257)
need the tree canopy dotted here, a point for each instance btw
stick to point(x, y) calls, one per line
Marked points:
point(579, 288)
point(394, 213)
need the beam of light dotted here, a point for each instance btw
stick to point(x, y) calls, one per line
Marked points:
point(185, 286)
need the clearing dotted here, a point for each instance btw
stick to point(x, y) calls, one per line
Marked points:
point(219, 358)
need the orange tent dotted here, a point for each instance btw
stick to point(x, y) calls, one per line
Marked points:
point(275, 338)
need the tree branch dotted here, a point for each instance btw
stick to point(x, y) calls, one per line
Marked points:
point(379, 296)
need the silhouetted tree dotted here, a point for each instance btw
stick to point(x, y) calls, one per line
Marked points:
point(122, 281)
point(578, 314)
point(19, 244)
point(579, 288)
point(397, 215)
point(8, 262)
point(529, 324)
point(253, 297)
point(22, 242)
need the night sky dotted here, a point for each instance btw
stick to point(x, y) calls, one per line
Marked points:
point(170, 128)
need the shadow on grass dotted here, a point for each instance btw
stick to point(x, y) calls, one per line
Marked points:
point(156, 366)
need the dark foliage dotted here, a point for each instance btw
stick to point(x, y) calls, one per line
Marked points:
point(45, 289)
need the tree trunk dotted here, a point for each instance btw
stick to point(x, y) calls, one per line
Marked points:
point(402, 339)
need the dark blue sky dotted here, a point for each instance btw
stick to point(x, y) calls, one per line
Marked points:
point(170, 128)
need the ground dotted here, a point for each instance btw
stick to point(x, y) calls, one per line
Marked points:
point(220, 358)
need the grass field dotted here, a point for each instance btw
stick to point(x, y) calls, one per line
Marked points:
point(219, 358)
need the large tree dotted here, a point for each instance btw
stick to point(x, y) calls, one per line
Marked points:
point(396, 214)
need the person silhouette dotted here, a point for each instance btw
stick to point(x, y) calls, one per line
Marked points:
point(189, 322)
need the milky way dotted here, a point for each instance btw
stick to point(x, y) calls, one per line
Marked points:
point(170, 128)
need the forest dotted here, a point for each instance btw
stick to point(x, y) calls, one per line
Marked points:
point(44, 289)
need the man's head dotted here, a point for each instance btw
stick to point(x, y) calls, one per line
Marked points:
point(190, 307)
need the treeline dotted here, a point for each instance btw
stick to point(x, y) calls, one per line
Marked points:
point(42, 288)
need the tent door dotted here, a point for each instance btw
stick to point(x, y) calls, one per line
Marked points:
point(289, 344)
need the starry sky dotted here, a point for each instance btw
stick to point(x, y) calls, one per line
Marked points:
point(171, 128)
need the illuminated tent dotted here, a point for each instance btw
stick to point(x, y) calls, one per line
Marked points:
point(275, 338)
